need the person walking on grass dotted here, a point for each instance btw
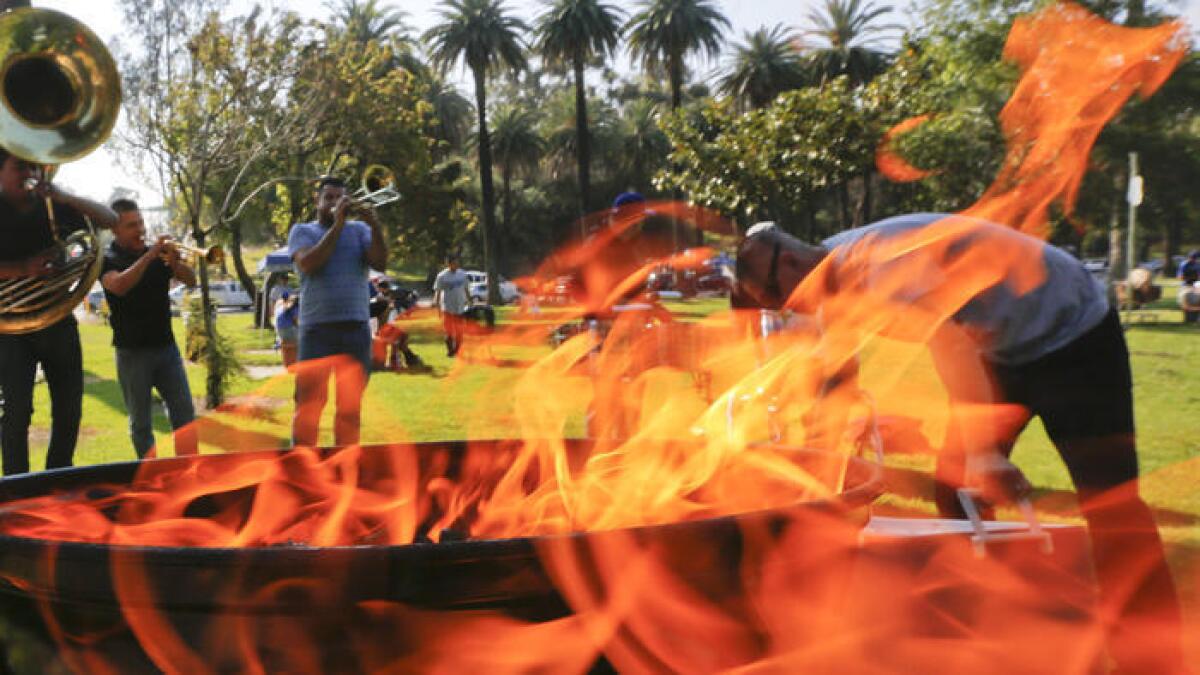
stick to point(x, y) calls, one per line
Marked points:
point(450, 296)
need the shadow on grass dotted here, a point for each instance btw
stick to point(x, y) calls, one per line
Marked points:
point(1165, 328)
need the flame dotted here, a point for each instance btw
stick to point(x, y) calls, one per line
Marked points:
point(892, 164)
point(714, 518)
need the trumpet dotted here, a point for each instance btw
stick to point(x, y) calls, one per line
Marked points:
point(378, 188)
point(213, 255)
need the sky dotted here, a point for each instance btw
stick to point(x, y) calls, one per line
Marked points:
point(97, 175)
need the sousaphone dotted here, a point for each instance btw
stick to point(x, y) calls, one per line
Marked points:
point(59, 99)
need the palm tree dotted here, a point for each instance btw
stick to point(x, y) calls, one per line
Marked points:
point(764, 66)
point(366, 20)
point(573, 33)
point(643, 143)
point(451, 110)
point(665, 32)
point(851, 34)
point(484, 36)
point(516, 146)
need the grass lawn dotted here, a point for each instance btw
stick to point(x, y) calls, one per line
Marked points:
point(476, 401)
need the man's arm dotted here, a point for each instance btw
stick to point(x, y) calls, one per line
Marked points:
point(120, 283)
point(101, 215)
point(377, 251)
point(312, 259)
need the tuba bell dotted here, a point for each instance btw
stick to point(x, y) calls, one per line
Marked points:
point(60, 95)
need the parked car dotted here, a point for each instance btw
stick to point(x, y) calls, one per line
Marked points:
point(222, 293)
point(477, 288)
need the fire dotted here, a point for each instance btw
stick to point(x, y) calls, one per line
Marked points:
point(714, 519)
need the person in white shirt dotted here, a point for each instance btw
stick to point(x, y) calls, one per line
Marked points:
point(451, 299)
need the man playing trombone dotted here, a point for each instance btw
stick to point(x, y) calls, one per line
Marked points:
point(136, 278)
point(29, 250)
point(331, 256)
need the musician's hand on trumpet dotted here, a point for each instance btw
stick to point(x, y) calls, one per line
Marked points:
point(169, 251)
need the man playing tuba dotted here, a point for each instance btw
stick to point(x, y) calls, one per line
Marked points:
point(29, 249)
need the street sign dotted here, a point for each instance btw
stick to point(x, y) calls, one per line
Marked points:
point(1134, 194)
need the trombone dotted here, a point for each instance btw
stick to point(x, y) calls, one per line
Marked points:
point(378, 188)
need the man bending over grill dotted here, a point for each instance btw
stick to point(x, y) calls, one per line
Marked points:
point(1025, 331)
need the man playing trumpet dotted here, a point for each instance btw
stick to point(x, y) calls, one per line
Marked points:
point(136, 278)
point(29, 249)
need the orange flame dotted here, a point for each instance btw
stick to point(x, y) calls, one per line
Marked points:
point(713, 489)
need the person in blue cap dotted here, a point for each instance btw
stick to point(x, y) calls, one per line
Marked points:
point(1189, 271)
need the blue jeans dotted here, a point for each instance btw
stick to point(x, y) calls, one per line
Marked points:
point(57, 349)
point(141, 369)
point(343, 347)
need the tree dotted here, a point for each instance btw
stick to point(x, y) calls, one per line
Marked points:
point(665, 32)
point(484, 36)
point(850, 32)
point(202, 103)
point(772, 163)
point(516, 146)
point(572, 33)
point(643, 144)
point(452, 112)
point(367, 20)
point(764, 66)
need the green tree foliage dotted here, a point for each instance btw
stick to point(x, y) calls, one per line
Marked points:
point(481, 34)
point(774, 162)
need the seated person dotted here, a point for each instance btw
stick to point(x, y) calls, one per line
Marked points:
point(1189, 302)
point(390, 350)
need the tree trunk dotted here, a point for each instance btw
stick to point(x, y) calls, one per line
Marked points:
point(243, 275)
point(843, 199)
point(867, 194)
point(214, 389)
point(582, 142)
point(487, 189)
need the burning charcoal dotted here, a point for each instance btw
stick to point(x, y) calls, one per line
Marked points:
point(450, 535)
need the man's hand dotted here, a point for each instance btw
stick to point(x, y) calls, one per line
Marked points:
point(341, 209)
point(998, 479)
point(368, 214)
point(170, 255)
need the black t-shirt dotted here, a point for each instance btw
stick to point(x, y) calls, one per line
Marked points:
point(24, 234)
point(141, 317)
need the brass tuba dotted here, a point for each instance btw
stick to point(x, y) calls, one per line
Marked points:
point(60, 95)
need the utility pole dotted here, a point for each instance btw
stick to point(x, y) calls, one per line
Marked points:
point(1134, 197)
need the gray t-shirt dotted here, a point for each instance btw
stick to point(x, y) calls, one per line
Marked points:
point(338, 291)
point(453, 287)
point(1020, 326)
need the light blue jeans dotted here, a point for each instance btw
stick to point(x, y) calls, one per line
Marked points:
point(142, 369)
